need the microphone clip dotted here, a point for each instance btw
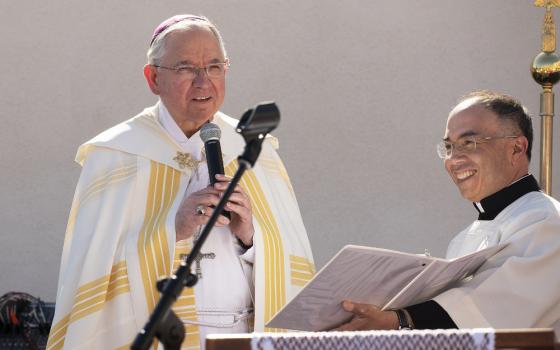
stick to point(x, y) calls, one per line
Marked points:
point(254, 125)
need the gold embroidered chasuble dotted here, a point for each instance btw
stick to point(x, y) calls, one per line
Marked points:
point(120, 237)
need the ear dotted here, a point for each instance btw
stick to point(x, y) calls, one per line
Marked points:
point(519, 149)
point(227, 62)
point(150, 73)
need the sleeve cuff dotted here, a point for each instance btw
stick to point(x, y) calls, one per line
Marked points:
point(247, 255)
point(430, 315)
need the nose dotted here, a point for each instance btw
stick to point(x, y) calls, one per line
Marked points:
point(201, 79)
point(455, 158)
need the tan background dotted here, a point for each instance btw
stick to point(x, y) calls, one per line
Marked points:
point(364, 88)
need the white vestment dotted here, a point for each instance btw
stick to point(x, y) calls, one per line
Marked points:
point(518, 287)
point(120, 238)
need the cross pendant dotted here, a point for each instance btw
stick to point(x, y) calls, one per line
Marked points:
point(197, 260)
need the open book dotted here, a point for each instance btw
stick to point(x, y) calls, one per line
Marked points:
point(387, 278)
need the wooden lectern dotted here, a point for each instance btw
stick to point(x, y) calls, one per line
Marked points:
point(533, 338)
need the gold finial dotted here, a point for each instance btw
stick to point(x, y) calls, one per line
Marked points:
point(185, 160)
point(547, 3)
point(549, 28)
point(549, 32)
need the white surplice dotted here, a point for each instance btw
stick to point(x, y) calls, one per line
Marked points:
point(120, 238)
point(518, 287)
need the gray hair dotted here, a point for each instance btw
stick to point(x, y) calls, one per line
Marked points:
point(157, 48)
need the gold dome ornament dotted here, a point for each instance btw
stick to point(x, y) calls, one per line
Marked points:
point(546, 69)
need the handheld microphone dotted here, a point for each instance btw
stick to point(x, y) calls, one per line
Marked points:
point(210, 134)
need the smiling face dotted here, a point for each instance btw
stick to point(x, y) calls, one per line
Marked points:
point(190, 102)
point(492, 165)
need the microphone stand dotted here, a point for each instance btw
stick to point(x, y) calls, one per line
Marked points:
point(163, 323)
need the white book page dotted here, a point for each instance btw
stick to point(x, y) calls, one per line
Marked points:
point(362, 274)
point(440, 275)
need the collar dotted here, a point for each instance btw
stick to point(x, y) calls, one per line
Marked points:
point(192, 145)
point(491, 206)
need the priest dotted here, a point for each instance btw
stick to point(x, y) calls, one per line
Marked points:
point(486, 151)
point(143, 197)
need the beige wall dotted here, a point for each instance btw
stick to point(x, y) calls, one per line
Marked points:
point(364, 88)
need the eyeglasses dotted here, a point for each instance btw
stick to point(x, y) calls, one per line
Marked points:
point(189, 72)
point(465, 144)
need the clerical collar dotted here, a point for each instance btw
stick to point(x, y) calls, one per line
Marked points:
point(491, 206)
point(192, 145)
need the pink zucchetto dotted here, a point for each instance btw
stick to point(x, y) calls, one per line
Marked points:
point(171, 21)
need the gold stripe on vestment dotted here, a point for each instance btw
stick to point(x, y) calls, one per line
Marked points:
point(298, 282)
point(185, 306)
point(89, 298)
point(302, 275)
point(152, 243)
point(57, 333)
point(278, 167)
point(302, 270)
point(97, 185)
point(153, 252)
point(275, 292)
point(301, 267)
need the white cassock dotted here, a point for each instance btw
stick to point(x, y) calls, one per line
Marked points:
point(519, 287)
point(120, 238)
